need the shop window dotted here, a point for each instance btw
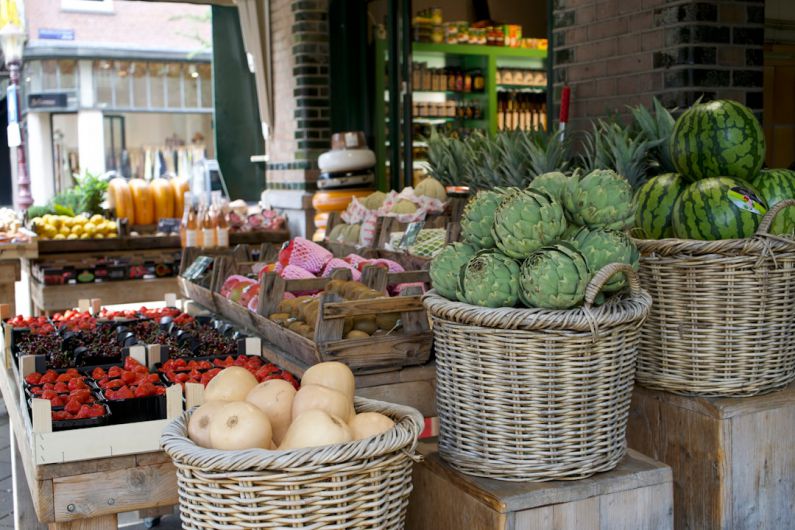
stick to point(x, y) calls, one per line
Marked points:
point(190, 76)
point(140, 79)
point(103, 83)
point(87, 6)
point(157, 85)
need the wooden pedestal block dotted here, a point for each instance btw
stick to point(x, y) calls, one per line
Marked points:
point(733, 460)
point(637, 495)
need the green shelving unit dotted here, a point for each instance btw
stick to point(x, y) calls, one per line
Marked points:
point(486, 58)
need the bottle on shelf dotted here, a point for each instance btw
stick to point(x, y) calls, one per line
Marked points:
point(189, 226)
point(207, 224)
point(221, 224)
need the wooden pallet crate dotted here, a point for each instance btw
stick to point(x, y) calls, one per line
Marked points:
point(732, 458)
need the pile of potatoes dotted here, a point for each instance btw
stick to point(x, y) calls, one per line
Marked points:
point(300, 314)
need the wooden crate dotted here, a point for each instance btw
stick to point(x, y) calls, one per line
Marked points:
point(374, 354)
point(732, 458)
point(636, 495)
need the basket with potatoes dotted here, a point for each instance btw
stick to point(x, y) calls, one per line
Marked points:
point(268, 456)
point(349, 321)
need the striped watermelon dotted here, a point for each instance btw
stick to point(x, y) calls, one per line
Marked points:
point(654, 202)
point(717, 208)
point(774, 186)
point(717, 138)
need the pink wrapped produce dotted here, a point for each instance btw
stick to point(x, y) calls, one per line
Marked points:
point(305, 254)
point(337, 263)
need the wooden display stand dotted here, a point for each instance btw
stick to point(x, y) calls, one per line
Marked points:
point(732, 458)
point(636, 495)
point(10, 268)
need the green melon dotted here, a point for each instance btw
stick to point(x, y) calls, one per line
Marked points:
point(774, 186)
point(717, 208)
point(654, 204)
point(717, 138)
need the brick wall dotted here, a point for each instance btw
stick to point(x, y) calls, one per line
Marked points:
point(615, 53)
point(301, 92)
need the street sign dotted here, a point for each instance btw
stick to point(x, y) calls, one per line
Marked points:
point(54, 100)
point(56, 34)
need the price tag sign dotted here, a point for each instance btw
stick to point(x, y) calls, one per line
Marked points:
point(410, 235)
point(198, 268)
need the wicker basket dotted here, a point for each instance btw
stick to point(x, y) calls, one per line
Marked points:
point(363, 484)
point(723, 321)
point(534, 394)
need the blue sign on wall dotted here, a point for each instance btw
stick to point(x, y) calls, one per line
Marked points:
point(56, 34)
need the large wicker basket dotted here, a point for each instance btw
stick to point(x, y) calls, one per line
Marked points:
point(723, 321)
point(362, 485)
point(533, 394)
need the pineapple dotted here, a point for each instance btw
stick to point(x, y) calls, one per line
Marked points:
point(657, 128)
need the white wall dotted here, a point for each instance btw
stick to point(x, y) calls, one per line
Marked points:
point(39, 159)
point(144, 129)
point(91, 141)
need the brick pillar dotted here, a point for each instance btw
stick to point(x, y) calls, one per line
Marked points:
point(301, 129)
point(616, 52)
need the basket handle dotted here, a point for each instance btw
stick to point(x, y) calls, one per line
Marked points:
point(604, 274)
point(770, 216)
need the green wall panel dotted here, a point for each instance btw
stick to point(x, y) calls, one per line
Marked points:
point(237, 126)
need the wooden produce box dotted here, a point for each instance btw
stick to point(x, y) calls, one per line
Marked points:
point(636, 495)
point(732, 458)
point(374, 354)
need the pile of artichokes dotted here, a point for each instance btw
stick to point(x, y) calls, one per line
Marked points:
point(540, 245)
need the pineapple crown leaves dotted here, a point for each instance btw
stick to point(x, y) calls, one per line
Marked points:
point(547, 152)
point(609, 145)
point(657, 127)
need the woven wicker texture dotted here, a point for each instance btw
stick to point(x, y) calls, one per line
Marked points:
point(363, 484)
point(534, 394)
point(723, 320)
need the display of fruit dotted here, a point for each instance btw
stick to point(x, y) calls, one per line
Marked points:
point(143, 202)
point(601, 198)
point(75, 320)
point(478, 217)
point(374, 201)
point(717, 208)
point(37, 325)
point(445, 268)
point(403, 206)
point(203, 371)
point(165, 202)
point(654, 202)
point(552, 183)
point(525, 221)
point(774, 186)
point(489, 279)
point(273, 416)
point(602, 247)
point(430, 187)
point(345, 233)
point(77, 227)
point(720, 138)
point(554, 277)
point(120, 199)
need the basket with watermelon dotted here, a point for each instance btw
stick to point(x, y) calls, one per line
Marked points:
point(718, 257)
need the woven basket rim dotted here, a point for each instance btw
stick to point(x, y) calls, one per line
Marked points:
point(620, 309)
point(759, 245)
point(408, 425)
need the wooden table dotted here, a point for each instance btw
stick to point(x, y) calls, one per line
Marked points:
point(49, 298)
point(87, 494)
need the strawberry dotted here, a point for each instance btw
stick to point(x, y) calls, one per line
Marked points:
point(98, 373)
point(124, 393)
point(181, 377)
point(160, 390)
point(130, 363)
point(114, 384)
point(128, 377)
point(114, 371)
point(179, 362)
point(49, 377)
point(204, 365)
point(94, 411)
point(61, 388)
point(73, 406)
point(83, 413)
point(33, 379)
point(145, 390)
point(64, 378)
point(153, 378)
point(36, 390)
point(77, 383)
point(61, 415)
point(83, 395)
point(58, 401)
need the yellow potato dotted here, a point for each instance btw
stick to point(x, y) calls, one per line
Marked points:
point(99, 236)
point(97, 219)
point(90, 227)
point(72, 236)
point(65, 231)
point(77, 229)
point(85, 236)
point(59, 236)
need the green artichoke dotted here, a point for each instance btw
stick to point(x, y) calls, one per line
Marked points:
point(489, 279)
point(602, 198)
point(552, 183)
point(526, 221)
point(478, 216)
point(602, 247)
point(554, 277)
point(446, 265)
point(571, 229)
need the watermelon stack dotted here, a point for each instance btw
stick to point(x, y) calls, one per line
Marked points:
point(718, 149)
